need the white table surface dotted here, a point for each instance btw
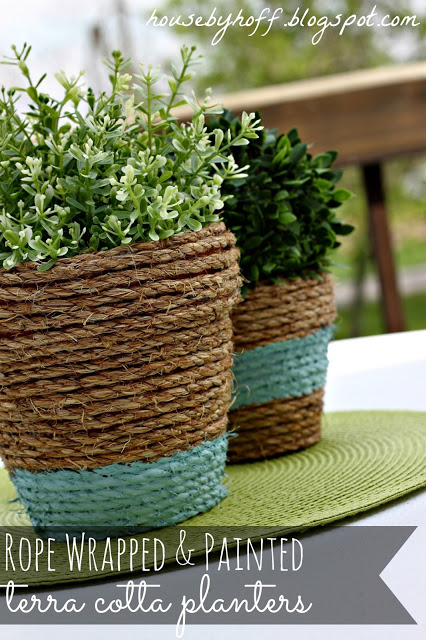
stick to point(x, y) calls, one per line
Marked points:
point(380, 372)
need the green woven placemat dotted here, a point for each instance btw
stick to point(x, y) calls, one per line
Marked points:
point(364, 459)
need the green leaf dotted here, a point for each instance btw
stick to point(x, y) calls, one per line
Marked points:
point(342, 229)
point(286, 217)
point(253, 242)
point(253, 273)
point(297, 153)
point(281, 195)
point(45, 266)
point(341, 195)
point(32, 92)
point(75, 203)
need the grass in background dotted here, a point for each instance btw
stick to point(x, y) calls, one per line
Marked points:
point(415, 314)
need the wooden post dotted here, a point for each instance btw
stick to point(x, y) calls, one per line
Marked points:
point(382, 247)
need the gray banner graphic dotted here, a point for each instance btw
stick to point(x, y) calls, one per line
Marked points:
point(329, 576)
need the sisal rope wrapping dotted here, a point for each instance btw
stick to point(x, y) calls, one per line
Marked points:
point(281, 311)
point(117, 356)
point(280, 426)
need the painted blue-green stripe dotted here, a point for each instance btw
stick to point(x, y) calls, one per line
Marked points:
point(279, 370)
point(141, 495)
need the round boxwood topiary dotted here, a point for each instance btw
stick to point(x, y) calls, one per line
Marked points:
point(284, 211)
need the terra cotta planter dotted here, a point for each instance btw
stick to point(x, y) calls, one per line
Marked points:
point(281, 335)
point(116, 382)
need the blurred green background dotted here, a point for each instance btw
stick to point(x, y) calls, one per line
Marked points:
point(284, 55)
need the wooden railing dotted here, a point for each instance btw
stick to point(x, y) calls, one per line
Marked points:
point(369, 117)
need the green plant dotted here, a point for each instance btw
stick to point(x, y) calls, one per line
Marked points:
point(283, 211)
point(90, 172)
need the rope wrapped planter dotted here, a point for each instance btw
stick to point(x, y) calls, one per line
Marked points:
point(116, 381)
point(281, 335)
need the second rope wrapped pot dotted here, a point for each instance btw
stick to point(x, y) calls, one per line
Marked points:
point(281, 335)
point(116, 381)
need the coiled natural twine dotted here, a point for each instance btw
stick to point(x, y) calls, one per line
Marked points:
point(117, 356)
